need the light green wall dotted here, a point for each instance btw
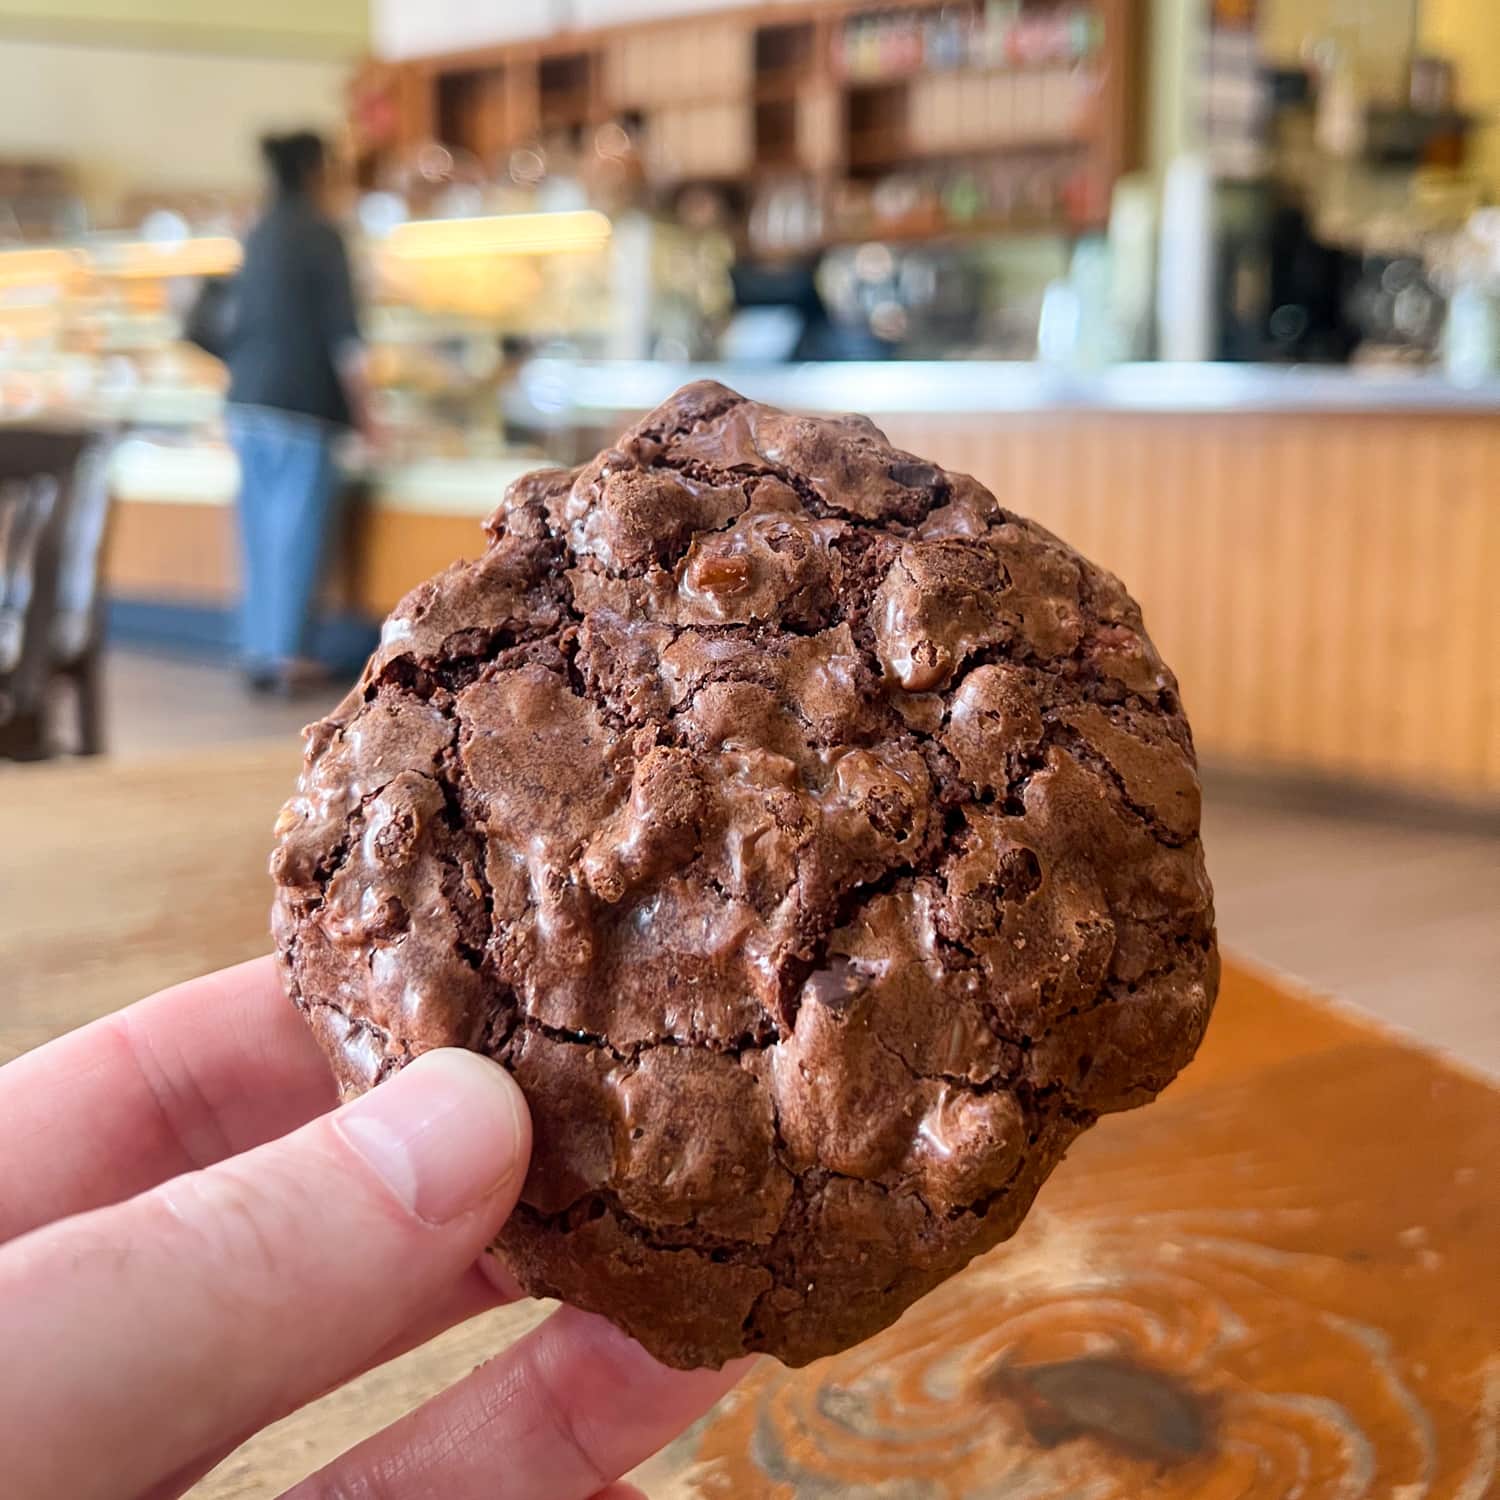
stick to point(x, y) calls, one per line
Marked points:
point(131, 118)
point(1172, 31)
point(1379, 31)
point(1469, 32)
point(319, 28)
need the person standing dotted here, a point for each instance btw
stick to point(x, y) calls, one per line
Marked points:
point(297, 382)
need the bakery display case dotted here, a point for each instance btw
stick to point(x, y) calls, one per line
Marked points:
point(97, 325)
point(92, 330)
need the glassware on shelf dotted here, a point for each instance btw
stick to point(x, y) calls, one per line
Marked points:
point(1007, 36)
point(1467, 268)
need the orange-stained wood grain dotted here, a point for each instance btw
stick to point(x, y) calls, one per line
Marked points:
point(1277, 1281)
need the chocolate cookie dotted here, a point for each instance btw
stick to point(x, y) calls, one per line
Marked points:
point(814, 839)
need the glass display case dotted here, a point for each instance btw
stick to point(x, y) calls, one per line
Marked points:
point(452, 307)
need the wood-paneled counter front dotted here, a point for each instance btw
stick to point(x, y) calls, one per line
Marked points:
point(1324, 585)
point(172, 533)
point(1320, 572)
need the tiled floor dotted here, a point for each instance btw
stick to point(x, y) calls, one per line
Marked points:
point(1395, 911)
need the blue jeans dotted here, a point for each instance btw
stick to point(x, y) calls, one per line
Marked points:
point(289, 490)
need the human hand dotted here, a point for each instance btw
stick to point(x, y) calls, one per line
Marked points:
point(191, 1247)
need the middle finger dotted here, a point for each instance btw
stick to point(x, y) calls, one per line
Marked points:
point(569, 1408)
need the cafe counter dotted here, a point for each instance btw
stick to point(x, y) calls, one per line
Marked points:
point(1315, 552)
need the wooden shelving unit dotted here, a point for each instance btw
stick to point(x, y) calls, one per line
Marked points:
point(471, 108)
point(744, 97)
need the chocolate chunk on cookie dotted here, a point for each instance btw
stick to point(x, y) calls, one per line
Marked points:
point(815, 840)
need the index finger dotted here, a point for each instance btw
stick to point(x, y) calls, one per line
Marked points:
point(195, 1074)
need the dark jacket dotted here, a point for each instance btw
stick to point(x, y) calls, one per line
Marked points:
point(293, 316)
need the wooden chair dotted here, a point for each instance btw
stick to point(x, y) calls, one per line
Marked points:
point(78, 623)
point(53, 508)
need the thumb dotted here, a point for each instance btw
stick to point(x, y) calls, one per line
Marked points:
point(173, 1323)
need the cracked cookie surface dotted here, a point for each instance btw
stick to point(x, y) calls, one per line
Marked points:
point(816, 842)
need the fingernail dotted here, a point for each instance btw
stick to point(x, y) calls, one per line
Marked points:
point(447, 1133)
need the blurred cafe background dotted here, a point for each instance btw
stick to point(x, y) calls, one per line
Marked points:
point(1210, 287)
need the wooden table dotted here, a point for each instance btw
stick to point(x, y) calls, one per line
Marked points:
point(1283, 1280)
